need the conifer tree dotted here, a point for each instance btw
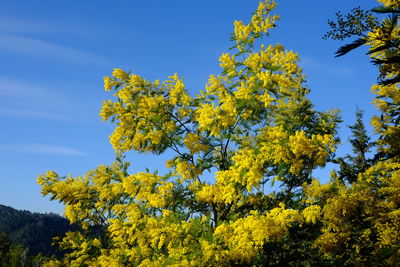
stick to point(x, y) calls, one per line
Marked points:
point(352, 165)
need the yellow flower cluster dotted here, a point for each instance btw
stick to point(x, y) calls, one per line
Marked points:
point(214, 119)
point(194, 144)
point(177, 92)
point(390, 3)
point(149, 188)
point(150, 237)
point(312, 213)
point(277, 145)
point(387, 101)
point(261, 22)
point(109, 82)
point(362, 217)
point(120, 74)
point(146, 112)
point(273, 55)
point(184, 170)
point(228, 63)
point(245, 237)
point(217, 193)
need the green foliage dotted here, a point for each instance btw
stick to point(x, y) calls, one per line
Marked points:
point(32, 231)
point(14, 255)
point(382, 37)
point(356, 23)
point(352, 165)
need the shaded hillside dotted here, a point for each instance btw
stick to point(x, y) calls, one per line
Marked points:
point(34, 231)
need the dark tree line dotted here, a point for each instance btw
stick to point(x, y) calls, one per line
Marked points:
point(26, 238)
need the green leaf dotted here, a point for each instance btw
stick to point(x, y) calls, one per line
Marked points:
point(347, 48)
point(383, 9)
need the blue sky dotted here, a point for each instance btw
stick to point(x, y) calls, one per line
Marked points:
point(55, 54)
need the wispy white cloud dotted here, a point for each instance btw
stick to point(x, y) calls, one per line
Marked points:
point(29, 113)
point(48, 50)
point(17, 89)
point(312, 64)
point(24, 100)
point(40, 149)
point(74, 27)
point(13, 25)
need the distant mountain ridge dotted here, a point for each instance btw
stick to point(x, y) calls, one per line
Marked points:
point(31, 230)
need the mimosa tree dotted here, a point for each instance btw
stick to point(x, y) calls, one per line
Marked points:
point(251, 126)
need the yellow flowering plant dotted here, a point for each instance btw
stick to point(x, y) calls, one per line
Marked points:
point(251, 124)
point(359, 220)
